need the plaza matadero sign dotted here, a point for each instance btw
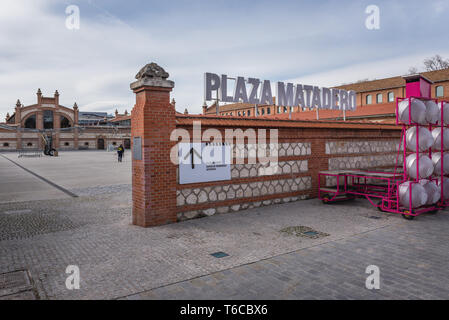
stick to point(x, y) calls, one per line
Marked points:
point(258, 92)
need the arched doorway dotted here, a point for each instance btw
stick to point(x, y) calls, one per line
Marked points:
point(100, 144)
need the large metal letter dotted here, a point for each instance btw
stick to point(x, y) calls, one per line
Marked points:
point(284, 97)
point(240, 91)
point(299, 96)
point(253, 99)
point(266, 97)
point(211, 83)
point(326, 98)
point(316, 98)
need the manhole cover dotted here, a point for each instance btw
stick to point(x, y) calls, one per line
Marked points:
point(304, 231)
point(16, 285)
point(25, 225)
point(219, 254)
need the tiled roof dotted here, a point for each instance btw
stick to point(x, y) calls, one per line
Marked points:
point(213, 120)
point(120, 118)
point(386, 109)
point(394, 82)
point(233, 106)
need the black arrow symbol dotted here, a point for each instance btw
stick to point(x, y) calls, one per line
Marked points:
point(191, 153)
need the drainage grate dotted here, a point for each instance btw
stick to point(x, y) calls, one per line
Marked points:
point(305, 232)
point(374, 217)
point(16, 285)
point(219, 254)
point(310, 233)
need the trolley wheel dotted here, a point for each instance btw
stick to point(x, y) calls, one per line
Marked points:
point(379, 204)
point(408, 217)
point(326, 199)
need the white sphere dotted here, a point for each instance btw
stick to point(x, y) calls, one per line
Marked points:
point(436, 159)
point(445, 111)
point(425, 139)
point(432, 191)
point(445, 187)
point(418, 111)
point(418, 193)
point(425, 166)
point(436, 134)
point(432, 111)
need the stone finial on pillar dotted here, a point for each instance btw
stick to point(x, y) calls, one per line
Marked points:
point(56, 97)
point(18, 116)
point(186, 111)
point(153, 174)
point(39, 96)
point(116, 113)
point(204, 107)
point(76, 118)
point(126, 112)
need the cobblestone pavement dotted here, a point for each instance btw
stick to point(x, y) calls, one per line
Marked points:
point(119, 260)
point(413, 260)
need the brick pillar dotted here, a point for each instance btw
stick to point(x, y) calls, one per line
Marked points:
point(56, 126)
point(154, 176)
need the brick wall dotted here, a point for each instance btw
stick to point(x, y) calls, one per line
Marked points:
point(303, 147)
point(303, 152)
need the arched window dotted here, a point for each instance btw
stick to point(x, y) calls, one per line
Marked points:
point(390, 96)
point(30, 122)
point(369, 99)
point(439, 91)
point(29, 144)
point(6, 144)
point(268, 110)
point(65, 123)
point(249, 113)
point(86, 143)
point(379, 98)
point(48, 119)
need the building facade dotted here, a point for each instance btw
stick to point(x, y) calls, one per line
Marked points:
point(68, 128)
point(375, 101)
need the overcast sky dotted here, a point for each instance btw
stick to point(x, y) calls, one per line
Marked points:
point(322, 43)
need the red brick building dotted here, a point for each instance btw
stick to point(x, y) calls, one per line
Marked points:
point(69, 128)
point(375, 101)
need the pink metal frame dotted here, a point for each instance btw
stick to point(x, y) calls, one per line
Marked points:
point(358, 184)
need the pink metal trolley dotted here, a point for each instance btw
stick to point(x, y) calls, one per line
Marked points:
point(381, 188)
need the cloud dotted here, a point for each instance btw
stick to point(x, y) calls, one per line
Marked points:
point(320, 44)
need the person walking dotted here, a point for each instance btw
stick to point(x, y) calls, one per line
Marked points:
point(120, 152)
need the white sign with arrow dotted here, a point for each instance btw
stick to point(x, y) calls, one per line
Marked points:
point(204, 162)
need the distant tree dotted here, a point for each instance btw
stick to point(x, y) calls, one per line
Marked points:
point(436, 63)
point(412, 70)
